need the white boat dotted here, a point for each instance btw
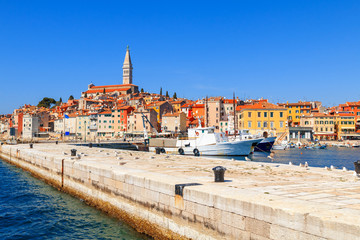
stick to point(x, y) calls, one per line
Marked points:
point(204, 141)
point(281, 146)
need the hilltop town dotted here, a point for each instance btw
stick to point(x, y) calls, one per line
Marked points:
point(119, 111)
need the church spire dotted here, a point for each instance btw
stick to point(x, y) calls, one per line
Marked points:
point(127, 68)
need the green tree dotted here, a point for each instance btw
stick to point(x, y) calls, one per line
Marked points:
point(46, 102)
point(174, 97)
point(60, 100)
point(142, 90)
point(167, 94)
point(71, 97)
point(161, 91)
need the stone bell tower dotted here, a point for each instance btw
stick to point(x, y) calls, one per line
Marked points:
point(127, 68)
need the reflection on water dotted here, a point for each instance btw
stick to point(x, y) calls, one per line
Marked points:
point(338, 157)
point(31, 209)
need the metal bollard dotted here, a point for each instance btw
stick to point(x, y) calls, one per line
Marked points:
point(56, 142)
point(90, 145)
point(219, 172)
point(357, 166)
point(157, 150)
point(31, 145)
point(73, 152)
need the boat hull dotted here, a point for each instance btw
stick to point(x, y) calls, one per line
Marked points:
point(236, 148)
point(265, 145)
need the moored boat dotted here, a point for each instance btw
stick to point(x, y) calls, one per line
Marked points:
point(204, 141)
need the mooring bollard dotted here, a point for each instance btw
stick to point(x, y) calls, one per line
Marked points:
point(90, 145)
point(357, 166)
point(157, 150)
point(73, 152)
point(219, 172)
point(57, 142)
point(31, 145)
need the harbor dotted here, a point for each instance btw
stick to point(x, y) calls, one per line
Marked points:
point(152, 193)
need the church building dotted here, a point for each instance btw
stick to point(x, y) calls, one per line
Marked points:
point(121, 89)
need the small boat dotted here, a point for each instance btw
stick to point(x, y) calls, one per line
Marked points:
point(282, 146)
point(355, 145)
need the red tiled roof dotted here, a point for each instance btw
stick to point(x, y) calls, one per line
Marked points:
point(262, 105)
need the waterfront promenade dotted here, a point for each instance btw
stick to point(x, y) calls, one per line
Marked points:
point(257, 200)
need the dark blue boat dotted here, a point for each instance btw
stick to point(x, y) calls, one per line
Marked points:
point(265, 145)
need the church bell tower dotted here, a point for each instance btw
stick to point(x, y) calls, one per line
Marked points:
point(127, 68)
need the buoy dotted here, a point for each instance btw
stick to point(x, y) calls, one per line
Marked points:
point(301, 153)
point(290, 163)
point(344, 169)
point(306, 164)
point(332, 167)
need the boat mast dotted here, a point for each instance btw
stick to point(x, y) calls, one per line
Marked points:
point(206, 112)
point(234, 106)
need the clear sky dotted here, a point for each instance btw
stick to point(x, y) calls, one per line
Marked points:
point(282, 50)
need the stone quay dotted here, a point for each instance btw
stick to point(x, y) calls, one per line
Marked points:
point(176, 197)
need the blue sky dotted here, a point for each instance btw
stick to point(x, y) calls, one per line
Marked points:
point(281, 50)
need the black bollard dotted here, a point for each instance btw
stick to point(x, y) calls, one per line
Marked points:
point(56, 142)
point(90, 145)
point(357, 167)
point(219, 172)
point(73, 152)
point(31, 145)
point(157, 150)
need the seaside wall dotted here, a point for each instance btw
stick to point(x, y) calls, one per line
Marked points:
point(148, 202)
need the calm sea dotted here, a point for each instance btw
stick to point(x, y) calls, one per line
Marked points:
point(338, 157)
point(31, 209)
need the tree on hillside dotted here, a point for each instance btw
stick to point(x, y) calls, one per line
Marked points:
point(71, 97)
point(46, 102)
point(142, 90)
point(161, 91)
point(167, 94)
point(174, 97)
point(60, 100)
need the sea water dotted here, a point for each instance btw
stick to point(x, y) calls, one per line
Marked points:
point(338, 157)
point(31, 209)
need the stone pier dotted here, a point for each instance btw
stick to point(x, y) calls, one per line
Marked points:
point(175, 197)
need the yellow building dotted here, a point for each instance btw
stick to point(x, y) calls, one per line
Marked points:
point(263, 118)
point(296, 110)
point(345, 126)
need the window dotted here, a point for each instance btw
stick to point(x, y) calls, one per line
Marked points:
point(249, 114)
point(281, 124)
point(297, 111)
point(259, 124)
point(265, 124)
point(271, 114)
point(249, 124)
point(271, 124)
point(265, 114)
point(259, 114)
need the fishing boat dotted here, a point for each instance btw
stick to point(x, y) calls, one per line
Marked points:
point(204, 141)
